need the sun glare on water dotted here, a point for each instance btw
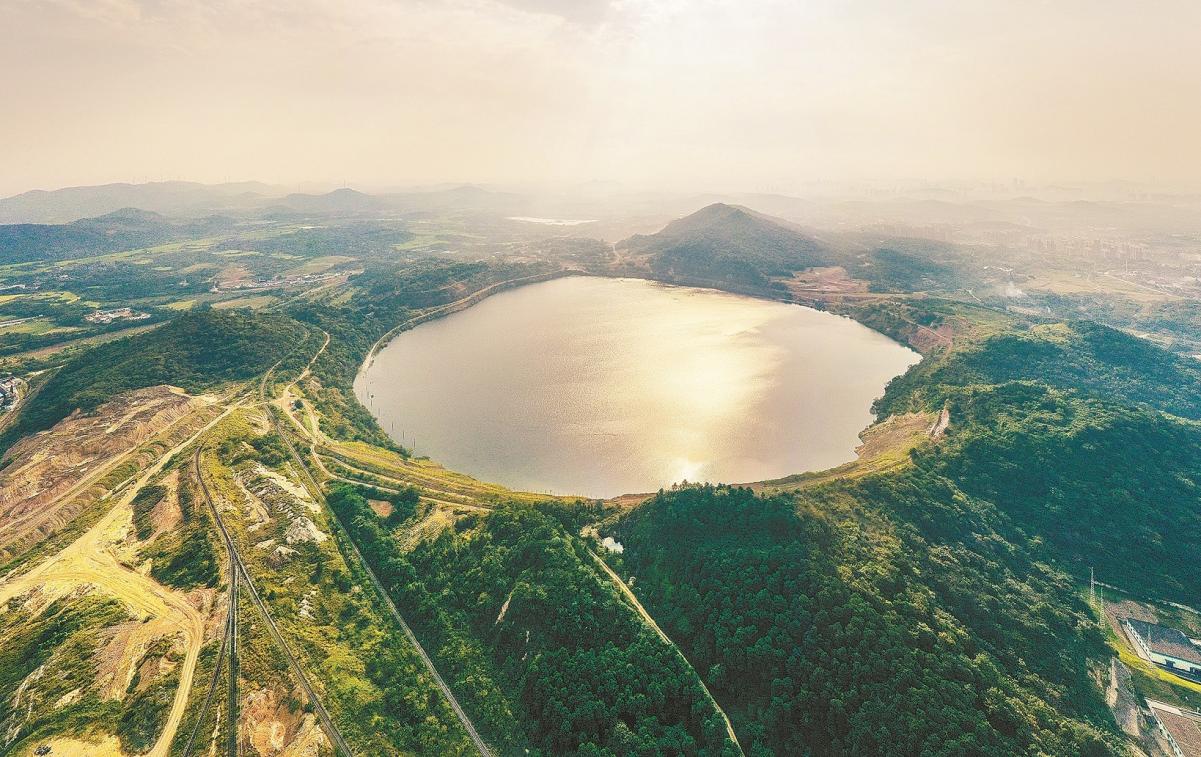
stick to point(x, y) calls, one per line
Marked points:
point(601, 387)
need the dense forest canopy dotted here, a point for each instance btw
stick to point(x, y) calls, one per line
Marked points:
point(829, 624)
point(514, 605)
point(125, 229)
point(1080, 356)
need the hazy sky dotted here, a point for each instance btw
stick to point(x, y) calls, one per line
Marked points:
point(733, 94)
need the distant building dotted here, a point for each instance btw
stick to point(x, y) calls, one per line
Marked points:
point(1165, 646)
point(8, 391)
point(116, 314)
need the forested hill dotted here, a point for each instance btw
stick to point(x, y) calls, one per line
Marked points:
point(1082, 436)
point(1080, 356)
point(125, 229)
point(833, 623)
point(727, 243)
point(734, 247)
point(551, 659)
point(197, 351)
point(1101, 484)
point(934, 609)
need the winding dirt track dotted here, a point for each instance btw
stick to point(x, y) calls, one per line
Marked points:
point(89, 561)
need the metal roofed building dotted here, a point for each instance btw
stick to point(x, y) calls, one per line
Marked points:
point(1181, 727)
point(1165, 646)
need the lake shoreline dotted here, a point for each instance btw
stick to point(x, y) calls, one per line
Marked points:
point(704, 465)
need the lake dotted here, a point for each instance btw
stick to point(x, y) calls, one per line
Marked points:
point(600, 387)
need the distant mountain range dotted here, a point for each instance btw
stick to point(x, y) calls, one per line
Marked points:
point(193, 200)
point(343, 200)
point(893, 213)
point(173, 198)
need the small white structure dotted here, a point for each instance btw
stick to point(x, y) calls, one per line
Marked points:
point(612, 545)
point(9, 391)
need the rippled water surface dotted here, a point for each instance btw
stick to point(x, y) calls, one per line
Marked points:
point(602, 387)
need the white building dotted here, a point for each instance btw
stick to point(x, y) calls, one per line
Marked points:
point(1165, 646)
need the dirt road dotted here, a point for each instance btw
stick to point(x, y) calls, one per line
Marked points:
point(91, 559)
point(646, 616)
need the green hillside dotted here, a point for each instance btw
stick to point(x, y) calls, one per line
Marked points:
point(197, 351)
point(125, 229)
point(548, 657)
point(835, 623)
point(1081, 356)
point(727, 243)
point(731, 246)
point(1103, 484)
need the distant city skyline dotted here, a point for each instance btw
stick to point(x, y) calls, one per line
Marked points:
point(760, 95)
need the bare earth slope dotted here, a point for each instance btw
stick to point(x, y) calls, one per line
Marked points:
point(46, 480)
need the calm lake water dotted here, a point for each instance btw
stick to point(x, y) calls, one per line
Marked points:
point(602, 387)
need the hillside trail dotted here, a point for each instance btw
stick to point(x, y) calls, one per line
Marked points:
point(92, 560)
point(283, 401)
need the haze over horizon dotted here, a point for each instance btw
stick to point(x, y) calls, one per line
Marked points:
point(758, 96)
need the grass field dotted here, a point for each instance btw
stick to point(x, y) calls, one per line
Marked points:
point(254, 302)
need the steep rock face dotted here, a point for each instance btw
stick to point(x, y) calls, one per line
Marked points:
point(50, 477)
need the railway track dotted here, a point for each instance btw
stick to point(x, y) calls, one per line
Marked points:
point(232, 693)
point(212, 691)
point(425, 658)
point(630, 596)
point(316, 491)
point(240, 572)
point(230, 633)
